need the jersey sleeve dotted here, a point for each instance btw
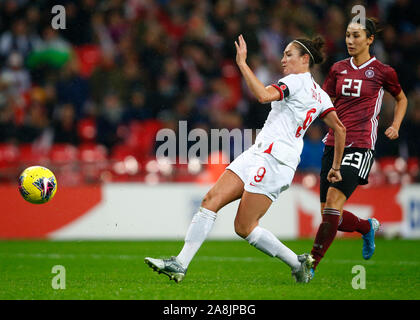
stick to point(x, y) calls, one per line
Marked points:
point(326, 106)
point(391, 83)
point(330, 82)
point(288, 86)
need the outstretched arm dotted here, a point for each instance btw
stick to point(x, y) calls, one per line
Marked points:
point(335, 124)
point(262, 93)
point(399, 113)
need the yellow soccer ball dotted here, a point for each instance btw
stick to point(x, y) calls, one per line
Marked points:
point(37, 184)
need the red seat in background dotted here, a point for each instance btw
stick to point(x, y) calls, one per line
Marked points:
point(125, 163)
point(413, 166)
point(91, 152)
point(387, 164)
point(63, 153)
point(142, 136)
point(30, 156)
point(9, 156)
point(89, 57)
point(65, 164)
point(87, 130)
point(120, 151)
point(93, 162)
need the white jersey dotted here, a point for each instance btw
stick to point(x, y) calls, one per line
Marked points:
point(302, 100)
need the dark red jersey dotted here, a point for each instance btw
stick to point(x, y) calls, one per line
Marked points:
point(358, 93)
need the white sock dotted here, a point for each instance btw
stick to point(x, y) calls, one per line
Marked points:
point(265, 241)
point(200, 226)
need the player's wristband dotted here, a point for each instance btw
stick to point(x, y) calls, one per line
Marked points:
point(335, 169)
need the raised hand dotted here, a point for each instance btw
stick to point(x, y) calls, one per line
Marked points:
point(241, 51)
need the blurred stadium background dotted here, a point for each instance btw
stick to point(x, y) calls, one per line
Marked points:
point(88, 100)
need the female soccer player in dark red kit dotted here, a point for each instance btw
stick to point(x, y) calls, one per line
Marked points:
point(356, 85)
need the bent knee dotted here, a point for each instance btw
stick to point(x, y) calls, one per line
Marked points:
point(335, 198)
point(242, 228)
point(212, 201)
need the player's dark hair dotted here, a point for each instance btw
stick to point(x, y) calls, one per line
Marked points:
point(311, 47)
point(371, 27)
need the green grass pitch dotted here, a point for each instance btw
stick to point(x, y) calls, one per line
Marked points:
point(222, 270)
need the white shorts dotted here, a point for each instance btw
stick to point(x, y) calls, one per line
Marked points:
point(262, 173)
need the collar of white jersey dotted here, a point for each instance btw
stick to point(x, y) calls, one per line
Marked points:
point(307, 73)
point(363, 65)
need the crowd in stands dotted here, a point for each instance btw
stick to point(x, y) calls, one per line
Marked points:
point(121, 70)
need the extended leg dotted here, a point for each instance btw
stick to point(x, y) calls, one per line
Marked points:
point(228, 188)
point(252, 208)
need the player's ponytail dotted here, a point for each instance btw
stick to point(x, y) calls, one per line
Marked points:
point(313, 48)
point(371, 27)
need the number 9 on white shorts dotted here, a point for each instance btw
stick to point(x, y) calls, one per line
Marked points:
point(262, 173)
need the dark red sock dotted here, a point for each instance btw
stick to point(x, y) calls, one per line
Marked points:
point(350, 223)
point(326, 234)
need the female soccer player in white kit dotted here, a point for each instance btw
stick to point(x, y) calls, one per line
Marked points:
point(266, 169)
